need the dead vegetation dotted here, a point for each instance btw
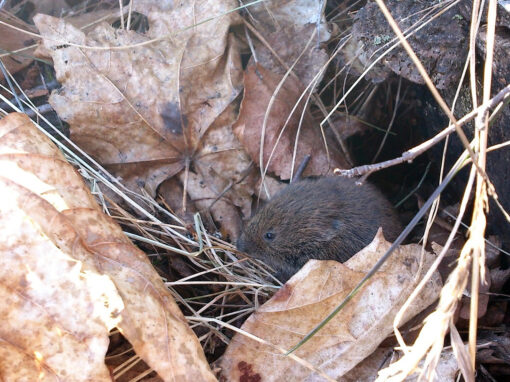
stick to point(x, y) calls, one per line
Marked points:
point(180, 118)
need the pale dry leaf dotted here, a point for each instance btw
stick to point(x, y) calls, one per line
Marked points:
point(43, 329)
point(270, 186)
point(171, 192)
point(146, 112)
point(71, 274)
point(272, 14)
point(221, 184)
point(447, 369)
point(259, 85)
point(310, 295)
point(366, 371)
point(287, 27)
point(289, 42)
point(203, 196)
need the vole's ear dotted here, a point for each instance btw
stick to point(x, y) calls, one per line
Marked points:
point(330, 231)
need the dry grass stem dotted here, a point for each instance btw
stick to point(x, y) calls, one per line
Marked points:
point(279, 349)
point(220, 288)
point(408, 156)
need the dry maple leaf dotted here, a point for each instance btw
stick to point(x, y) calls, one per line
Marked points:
point(279, 138)
point(310, 295)
point(148, 111)
point(68, 275)
point(223, 178)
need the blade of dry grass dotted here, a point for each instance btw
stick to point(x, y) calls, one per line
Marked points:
point(499, 99)
point(391, 45)
point(479, 221)
point(281, 350)
point(429, 83)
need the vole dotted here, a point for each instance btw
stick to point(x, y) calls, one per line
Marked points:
point(328, 218)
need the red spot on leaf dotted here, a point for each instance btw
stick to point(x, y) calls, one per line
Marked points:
point(247, 373)
point(283, 294)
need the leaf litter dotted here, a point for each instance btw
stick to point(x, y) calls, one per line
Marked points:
point(69, 275)
point(150, 112)
point(281, 136)
point(314, 292)
point(159, 109)
point(283, 30)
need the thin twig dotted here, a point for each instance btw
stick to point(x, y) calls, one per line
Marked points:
point(411, 154)
point(429, 83)
point(301, 168)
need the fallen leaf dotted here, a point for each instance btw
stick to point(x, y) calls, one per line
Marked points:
point(171, 191)
point(149, 111)
point(499, 278)
point(447, 368)
point(203, 196)
point(289, 43)
point(310, 295)
point(224, 179)
point(13, 40)
point(287, 27)
point(269, 187)
point(259, 85)
point(367, 370)
point(68, 275)
point(272, 14)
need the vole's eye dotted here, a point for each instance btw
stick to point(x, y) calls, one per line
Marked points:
point(269, 236)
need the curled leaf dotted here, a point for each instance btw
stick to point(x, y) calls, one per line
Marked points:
point(69, 275)
point(310, 295)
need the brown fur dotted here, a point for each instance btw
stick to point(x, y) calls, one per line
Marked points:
point(328, 218)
